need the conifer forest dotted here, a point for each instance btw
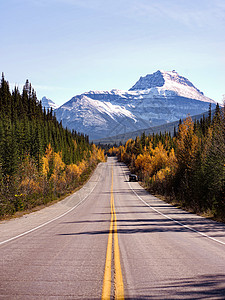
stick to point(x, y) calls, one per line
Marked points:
point(187, 168)
point(40, 160)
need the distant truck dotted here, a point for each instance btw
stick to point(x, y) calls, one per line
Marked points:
point(133, 177)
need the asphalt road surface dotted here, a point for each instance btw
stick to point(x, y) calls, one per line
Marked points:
point(112, 240)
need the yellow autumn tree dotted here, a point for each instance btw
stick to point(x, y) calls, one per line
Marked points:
point(73, 173)
point(58, 176)
point(53, 169)
point(100, 155)
point(143, 164)
point(172, 161)
point(30, 182)
point(161, 174)
point(113, 151)
point(156, 163)
point(47, 161)
point(96, 155)
point(187, 144)
point(159, 158)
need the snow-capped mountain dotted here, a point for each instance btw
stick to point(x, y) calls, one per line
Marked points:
point(169, 84)
point(97, 118)
point(155, 99)
point(48, 103)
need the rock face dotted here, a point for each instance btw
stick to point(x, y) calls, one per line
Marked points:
point(149, 81)
point(159, 79)
point(155, 99)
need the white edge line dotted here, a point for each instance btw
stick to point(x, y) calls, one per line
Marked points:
point(181, 224)
point(50, 221)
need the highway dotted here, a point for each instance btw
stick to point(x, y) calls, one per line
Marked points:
point(112, 240)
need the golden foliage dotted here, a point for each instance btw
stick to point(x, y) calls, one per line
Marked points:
point(153, 160)
point(29, 178)
point(187, 143)
point(46, 160)
point(45, 166)
point(161, 174)
point(113, 151)
point(59, 165)
point(55, 173)
point(73, 172)
point(96, 155)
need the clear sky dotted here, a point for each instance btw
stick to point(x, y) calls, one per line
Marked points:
point(67, 47)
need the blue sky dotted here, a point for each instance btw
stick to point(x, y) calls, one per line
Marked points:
point(66, 47)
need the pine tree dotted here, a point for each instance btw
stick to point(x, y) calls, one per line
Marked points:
point(209, 119)
point(9, 150)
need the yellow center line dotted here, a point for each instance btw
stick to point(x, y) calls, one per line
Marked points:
point(106, 290)
point(119, 287)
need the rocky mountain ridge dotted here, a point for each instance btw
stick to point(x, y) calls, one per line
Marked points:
point(48, 103)
point(155, 99)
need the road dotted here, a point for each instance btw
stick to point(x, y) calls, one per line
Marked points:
point(112, 240)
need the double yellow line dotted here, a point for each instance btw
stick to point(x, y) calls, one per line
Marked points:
point(118, 279)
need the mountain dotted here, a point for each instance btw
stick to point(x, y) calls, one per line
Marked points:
point(48, 103)
point(167, 127)
point(169, 81)
point(97, 118)
point(155, 99)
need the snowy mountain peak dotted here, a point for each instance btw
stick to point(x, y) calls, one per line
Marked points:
point(155, 99)
point(149, 81)
point(175, 77)
point(48, 103)
point(159, 79)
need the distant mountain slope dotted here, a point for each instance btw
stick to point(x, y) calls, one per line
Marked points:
point(156, 99)
point(122, 138)
point(48, 103)
point(97, 118)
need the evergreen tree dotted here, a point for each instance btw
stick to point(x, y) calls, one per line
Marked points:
point(25, 133)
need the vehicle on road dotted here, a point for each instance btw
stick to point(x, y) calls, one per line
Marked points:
point(133, 177)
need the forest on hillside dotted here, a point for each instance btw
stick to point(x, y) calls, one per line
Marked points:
point(187, 169)
point(39, 159)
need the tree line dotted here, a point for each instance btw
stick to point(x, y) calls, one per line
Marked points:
point(39, 159)
point(187, 168)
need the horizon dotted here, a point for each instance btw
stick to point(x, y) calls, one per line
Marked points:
point(69, 47)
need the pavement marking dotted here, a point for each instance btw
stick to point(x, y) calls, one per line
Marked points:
point(177, 222)
point(50, 221)
point(119, 288)
point(106, 290)
point(113, 235)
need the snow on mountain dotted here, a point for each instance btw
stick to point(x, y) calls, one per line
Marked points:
point(48, 103)
point(155, 99)
point(169, 84)
point(97, 118)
